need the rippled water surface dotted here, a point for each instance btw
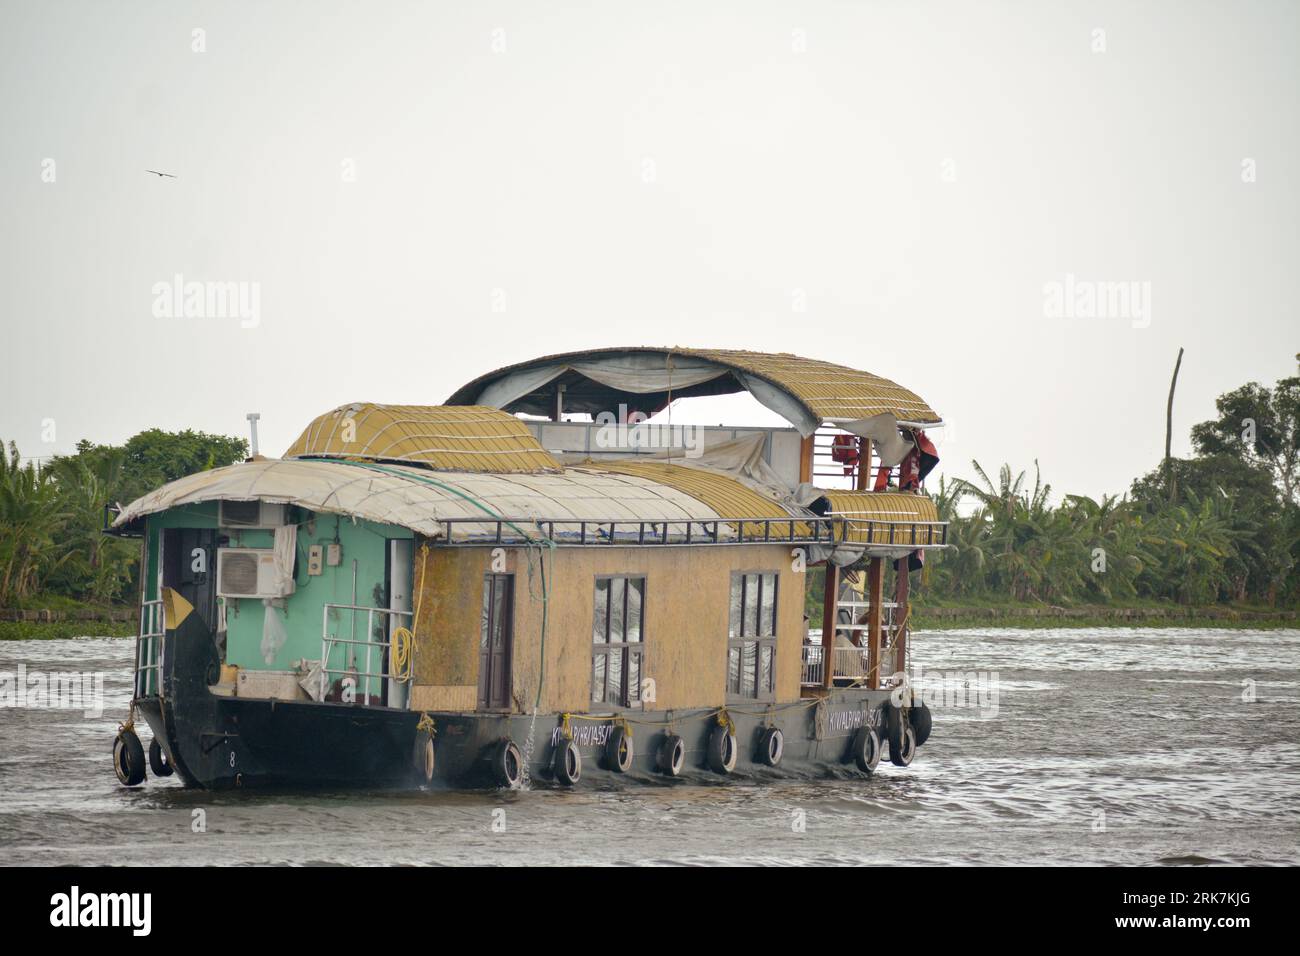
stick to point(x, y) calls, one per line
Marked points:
point(1118, 745)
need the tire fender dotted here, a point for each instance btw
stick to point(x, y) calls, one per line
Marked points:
point(902, 755)
point(671, 756)
point(922, 722)
point(893, 723)
point(507, 764)
point(866, 749)
point(566, 762)
point(424, 757)
point(619, 750)
point(771, 746)
point(722, 750)
point(159, 762)
point(128, 758)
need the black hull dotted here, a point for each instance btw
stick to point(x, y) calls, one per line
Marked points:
point(219, 742)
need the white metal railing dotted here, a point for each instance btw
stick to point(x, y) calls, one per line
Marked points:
point(328, 642)
point(811, 673)
point(850, 664)
point(148, 649)
point(858, 610)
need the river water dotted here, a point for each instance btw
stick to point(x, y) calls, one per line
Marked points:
point(1111, 746)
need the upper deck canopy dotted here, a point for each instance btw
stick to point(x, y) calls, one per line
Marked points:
point(806, 392)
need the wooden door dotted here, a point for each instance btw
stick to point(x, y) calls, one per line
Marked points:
point(496, 642)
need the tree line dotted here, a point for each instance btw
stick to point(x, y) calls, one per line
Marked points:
point(52, 546)
point(1220, 526)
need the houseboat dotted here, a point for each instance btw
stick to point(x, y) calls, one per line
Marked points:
point(544, 581)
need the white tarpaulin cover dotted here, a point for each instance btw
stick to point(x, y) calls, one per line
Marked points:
point(740, 459)
point(637, 372)
point(643, 374)
point(885, 437)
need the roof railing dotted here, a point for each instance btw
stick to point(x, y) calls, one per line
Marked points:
point(578, 532)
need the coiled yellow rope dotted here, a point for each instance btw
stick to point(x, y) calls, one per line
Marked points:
point(403, 640)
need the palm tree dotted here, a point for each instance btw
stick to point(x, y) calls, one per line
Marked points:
point(31, 517)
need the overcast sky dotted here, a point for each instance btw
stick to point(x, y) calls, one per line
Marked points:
point(423, 192)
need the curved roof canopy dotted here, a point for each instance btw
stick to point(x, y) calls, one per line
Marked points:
point(415, 498)
point(576, 505)
point(806, 392)
point(464, 438)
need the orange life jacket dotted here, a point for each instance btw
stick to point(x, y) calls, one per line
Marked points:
point(846, 450)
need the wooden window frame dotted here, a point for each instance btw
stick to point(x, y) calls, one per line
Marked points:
point(629, 697)
point(736, 643)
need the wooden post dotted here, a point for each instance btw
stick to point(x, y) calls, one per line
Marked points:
point(1171, 484)
point(830, 605)
point(900, 598)
point(806, 458)
point(864, 463)
point(875, 594)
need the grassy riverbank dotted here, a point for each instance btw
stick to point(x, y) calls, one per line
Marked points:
point(944, 615)
point(931, 612)
point(54, 616)
point(57, 630)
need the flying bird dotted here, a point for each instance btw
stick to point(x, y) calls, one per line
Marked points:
point(156, 173)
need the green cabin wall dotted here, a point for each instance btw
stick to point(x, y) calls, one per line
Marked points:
point(365, 541)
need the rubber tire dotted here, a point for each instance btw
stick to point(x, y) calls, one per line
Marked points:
point(893, 723)
point(507, 764)
point(771, 746)
point(424, 758)
point(922, 722)
point(158, 762)
point(866, 749)
point(722, 750)
point(619, 750)
point(902, 756)
point(128, 759)
point(566, 762)
point(670, 758)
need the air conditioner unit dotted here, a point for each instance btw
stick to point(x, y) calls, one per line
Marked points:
point(246, 573)
point(251, 514)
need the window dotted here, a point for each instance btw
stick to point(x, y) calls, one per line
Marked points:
point(617, 641)
point(751, 640)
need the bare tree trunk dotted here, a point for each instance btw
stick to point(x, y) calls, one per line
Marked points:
point(1169, 431)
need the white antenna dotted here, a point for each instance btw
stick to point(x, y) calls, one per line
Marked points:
point(252, 424)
